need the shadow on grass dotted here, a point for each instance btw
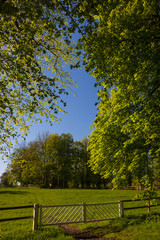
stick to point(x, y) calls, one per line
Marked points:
point(120, 224)
point(13, 192)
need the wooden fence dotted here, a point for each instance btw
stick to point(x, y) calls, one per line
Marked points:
point(34, 216)
point(148, 206)
point(76, 213)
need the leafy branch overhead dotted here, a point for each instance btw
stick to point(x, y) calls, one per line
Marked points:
point(120, 42)
point(36, 43)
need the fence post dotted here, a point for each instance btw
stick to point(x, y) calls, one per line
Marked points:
point(121, 209)
point(40, 219)
point(149, 206)
point(35, 217)
point(84, 212)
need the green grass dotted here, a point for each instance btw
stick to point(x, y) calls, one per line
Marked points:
point(20, 196)
point(24, 232)
point(120, 228)
point(142, 227)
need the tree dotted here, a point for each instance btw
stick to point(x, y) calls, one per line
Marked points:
point(45, 161)
point(122, 52)
point(27, 164)
point(53, 160)
point(81, 172)
point(85, 170)
point(5, 179)
point(42, 139)
point(59, 152)
point(36, 43)
point(76, 163)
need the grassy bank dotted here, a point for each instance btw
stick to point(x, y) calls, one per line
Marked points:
point(127, 228)
point(144, 226)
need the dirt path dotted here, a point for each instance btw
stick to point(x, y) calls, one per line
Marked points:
point(82, 234)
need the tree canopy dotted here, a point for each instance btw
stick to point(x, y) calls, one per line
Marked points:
point(122, 52)
point(53, 160)
point(120, 40)
point(36, 43)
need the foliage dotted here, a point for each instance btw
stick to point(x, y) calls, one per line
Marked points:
point(59, 152)
point(36, 43)
point(122, 52)
point(26, 167)
point(5, 179)
point(82, 173)
point(121, 44)
point(53, 160)
point(148, 195)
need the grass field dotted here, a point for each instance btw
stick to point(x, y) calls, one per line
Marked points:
point(136, 225)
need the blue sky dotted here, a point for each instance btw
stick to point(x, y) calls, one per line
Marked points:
point(81, 111)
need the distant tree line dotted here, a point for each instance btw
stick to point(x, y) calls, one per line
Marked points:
point(53, 161)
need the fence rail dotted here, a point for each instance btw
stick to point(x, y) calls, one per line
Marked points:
point(76, 213)
point(135, 200)
point(142, 207)
point(146, 206)
point(18, 207)
point(34, 216)
point(17, 218)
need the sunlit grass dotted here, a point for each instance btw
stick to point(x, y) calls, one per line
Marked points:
point(142, 227)
point(120, 228)
point(18, 231)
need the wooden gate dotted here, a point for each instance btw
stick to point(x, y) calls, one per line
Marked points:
point(79, 213)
